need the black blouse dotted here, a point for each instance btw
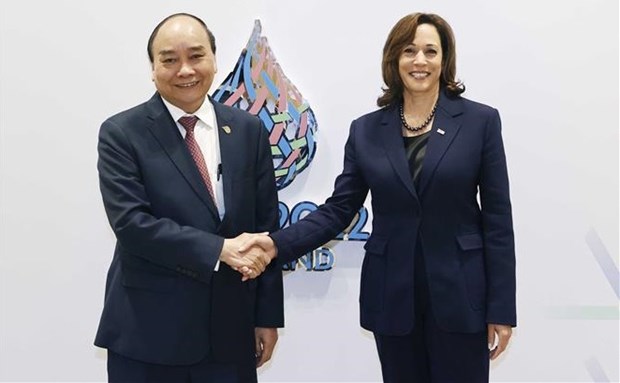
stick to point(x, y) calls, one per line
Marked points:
point(415, 148)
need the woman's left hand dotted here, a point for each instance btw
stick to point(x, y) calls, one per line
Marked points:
point(500, 333)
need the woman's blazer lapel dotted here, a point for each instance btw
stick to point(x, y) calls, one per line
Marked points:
point(392, 138)
point(445, 127)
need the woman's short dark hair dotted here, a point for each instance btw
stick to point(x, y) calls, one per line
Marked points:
point(400, 36)
point(149, 46)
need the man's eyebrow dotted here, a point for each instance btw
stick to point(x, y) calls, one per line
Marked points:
point(195, 48)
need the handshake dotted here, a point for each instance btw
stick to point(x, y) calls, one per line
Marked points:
point(249, 254)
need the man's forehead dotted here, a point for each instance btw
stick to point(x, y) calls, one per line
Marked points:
point(183, 24)
point(189, 32)
point(179, 20)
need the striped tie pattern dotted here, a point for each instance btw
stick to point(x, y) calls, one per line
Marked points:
point(189, 122)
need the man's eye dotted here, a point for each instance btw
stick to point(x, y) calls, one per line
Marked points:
point(169, 61)
point(198, 56)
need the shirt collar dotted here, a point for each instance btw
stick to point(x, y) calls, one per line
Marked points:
point(205, 113)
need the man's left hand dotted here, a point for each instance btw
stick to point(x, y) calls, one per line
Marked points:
point(503, 333)
point(266, 339)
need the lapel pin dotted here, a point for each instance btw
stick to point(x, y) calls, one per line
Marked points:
point(226, 129)
point(440, 131)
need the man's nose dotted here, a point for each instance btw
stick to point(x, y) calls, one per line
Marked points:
point(186, 69)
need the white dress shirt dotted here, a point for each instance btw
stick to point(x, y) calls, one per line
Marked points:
point(206, 134)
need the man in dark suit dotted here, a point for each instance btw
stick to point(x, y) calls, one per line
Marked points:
point(182, 177)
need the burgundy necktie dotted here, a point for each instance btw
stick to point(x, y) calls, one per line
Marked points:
point(189, 122)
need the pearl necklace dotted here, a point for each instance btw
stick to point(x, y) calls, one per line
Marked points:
point(416, 128)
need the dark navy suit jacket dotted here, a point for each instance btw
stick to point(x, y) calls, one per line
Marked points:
point(163, 301)
point(468, 248)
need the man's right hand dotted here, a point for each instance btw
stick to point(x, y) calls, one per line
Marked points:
point(251, 263)
point(253, 243)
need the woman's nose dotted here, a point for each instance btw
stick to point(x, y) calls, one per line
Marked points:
point(419, 58)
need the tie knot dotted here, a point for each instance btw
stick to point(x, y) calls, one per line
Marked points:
point(188, 122)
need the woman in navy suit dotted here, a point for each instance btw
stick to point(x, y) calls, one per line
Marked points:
point(438, 276)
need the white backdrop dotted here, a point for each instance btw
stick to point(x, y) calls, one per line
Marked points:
point(551, 67)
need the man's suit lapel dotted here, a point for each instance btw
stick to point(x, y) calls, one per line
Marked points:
point(392, 137)
point(445, 127)
point(166, 132)
point(228, 135)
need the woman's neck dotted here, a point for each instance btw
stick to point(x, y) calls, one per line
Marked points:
point(419, 104)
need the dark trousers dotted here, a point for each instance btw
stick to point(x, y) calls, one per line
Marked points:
point(428, 354)
point(125, 370)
